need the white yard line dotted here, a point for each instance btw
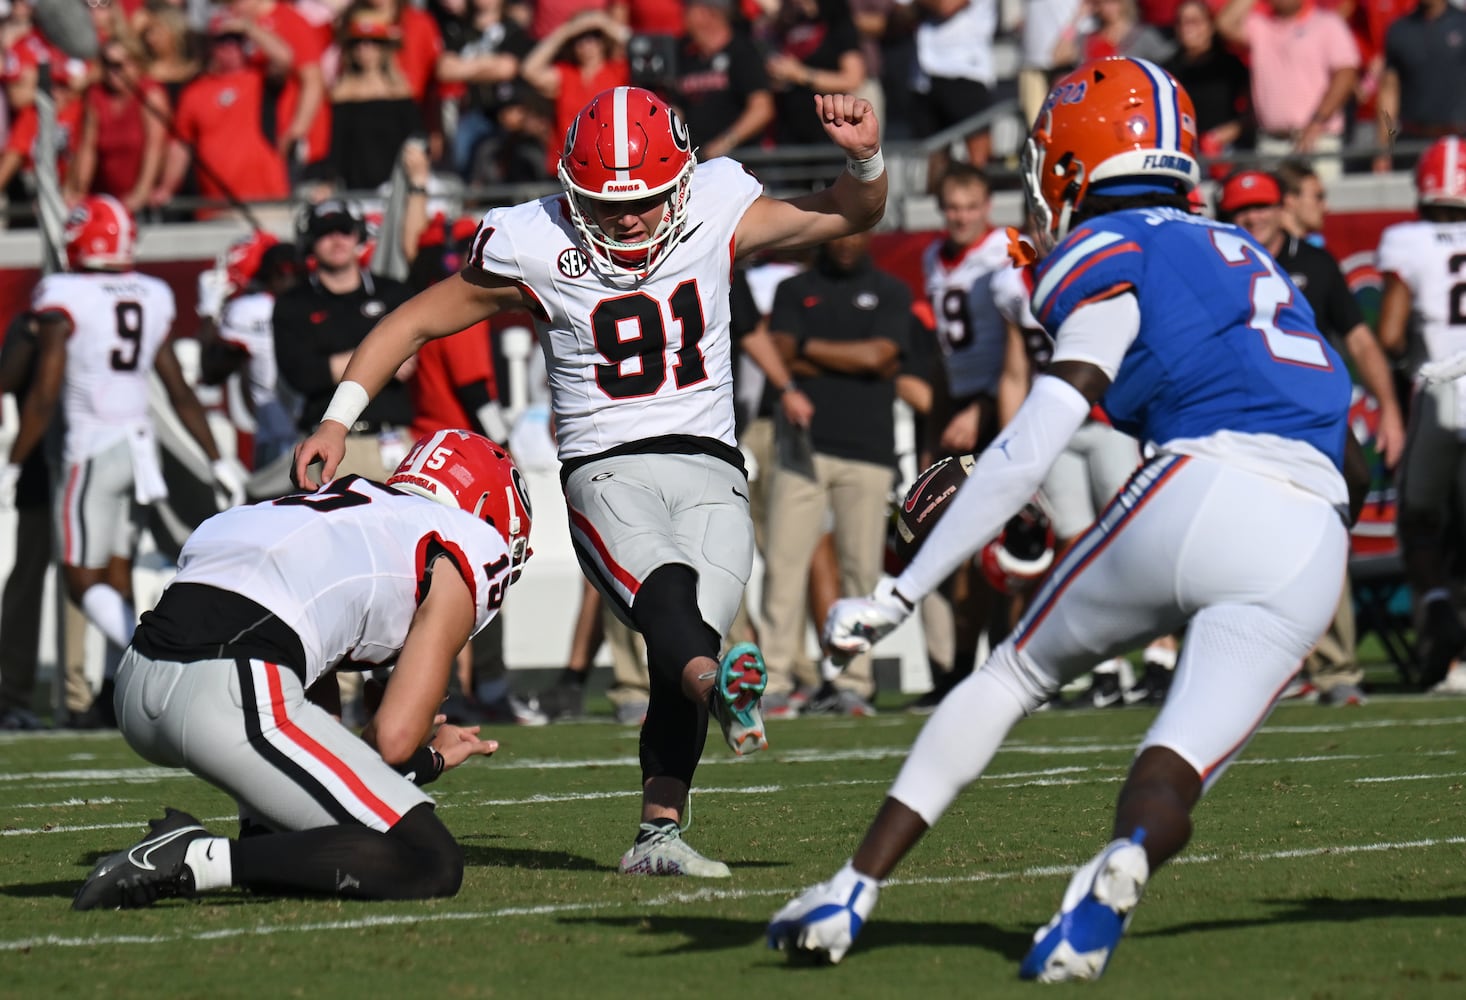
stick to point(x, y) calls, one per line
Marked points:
point(663, 901)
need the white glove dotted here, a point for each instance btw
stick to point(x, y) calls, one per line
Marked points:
point(1444, 370)
point(229, 478)
point(213, 290)
point(9, 479)
point(855, 624)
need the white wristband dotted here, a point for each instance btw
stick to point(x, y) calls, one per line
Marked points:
point(866, 170)
point(346, 405)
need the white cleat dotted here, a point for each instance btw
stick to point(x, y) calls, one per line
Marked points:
point(1079, 942)
point(822, 922)
point(660, 850)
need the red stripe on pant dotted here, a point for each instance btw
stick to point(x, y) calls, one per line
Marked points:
point(631, 583)
point(334, 764)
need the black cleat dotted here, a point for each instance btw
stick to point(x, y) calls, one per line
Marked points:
point(1153, 685)
point(150, 870)
point(561, 702)
point(1442, 639)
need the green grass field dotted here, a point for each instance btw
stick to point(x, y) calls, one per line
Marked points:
point(1329, 862)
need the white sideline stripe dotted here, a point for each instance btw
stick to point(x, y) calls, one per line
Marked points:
point(64, 803)
point(668, 899)
point(138, 825)
point(1408, 777)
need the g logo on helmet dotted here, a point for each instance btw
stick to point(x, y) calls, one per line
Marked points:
point(522, 490)
point(570, 135)
point(680, 138)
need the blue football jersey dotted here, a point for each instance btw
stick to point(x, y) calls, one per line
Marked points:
point(1226, 342)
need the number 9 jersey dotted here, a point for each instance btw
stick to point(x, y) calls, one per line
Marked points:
point(119, 321)
point(635, 357)
point(1226, 345)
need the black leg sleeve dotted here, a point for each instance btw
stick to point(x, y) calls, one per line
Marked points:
point(417, 859)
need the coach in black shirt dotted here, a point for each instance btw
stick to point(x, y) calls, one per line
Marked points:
point(845, 327)
point(320, 322)
point(1254, 200)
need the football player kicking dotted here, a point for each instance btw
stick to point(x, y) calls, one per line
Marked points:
point(1187, 333)
point(627, 273)
point(272, 597)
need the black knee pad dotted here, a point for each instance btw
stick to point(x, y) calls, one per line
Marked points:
point(439, 871)
point(667, 616)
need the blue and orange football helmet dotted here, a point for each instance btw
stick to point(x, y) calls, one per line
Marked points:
point(1113, 126)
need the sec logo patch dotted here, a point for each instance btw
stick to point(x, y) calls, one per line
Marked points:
point(572, 262)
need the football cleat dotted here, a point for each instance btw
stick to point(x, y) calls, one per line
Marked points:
point(734, 700)
point(823, 921)
point(660, 850)
point(1079, 942)
point(150, 870)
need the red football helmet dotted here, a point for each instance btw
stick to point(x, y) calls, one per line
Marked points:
point(101, 235)
point(1440, 176)
point(1122, 123)
point(467, 470)
point(1022, 553)
point(627, 145)
point(241, 259)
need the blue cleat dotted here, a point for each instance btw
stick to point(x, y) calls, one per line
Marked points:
point(1078, 943)
point(823, 921)
point(734, 700)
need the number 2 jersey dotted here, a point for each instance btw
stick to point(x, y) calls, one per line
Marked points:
point(1430, 258)
point(1227, 359)
point(119, 322)
point(629, 359)
point(344, 568)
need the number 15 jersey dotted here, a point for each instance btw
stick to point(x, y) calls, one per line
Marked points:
point(629, 359)
point(119, 322)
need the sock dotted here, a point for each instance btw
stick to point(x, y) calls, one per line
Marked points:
point(662, 825)
point(110, 612)
point(211, 861)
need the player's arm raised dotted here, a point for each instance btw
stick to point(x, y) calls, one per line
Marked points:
point(854, 203)
point(453, 304)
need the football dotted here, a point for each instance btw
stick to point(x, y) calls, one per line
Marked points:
point(925, 502)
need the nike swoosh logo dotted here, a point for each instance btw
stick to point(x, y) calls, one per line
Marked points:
point(147, 847)
point(738, 494)
point(688, 235)
point(914, 494)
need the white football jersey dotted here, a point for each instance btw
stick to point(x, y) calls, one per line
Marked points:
point(970, 329)
point(1430, 258)
point(1013, 296)
point(248, 323)
point(119, 321)
point(629, 358)
point(346, 566)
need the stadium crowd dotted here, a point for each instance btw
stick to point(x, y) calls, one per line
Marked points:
point(320, 100)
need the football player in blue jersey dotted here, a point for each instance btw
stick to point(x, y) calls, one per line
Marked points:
point(1193, 340)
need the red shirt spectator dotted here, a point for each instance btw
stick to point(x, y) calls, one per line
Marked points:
point(124, 131)
point(20, 144)
point(219, 114)
point(444, 367)
point(302, 81)
point(572, 64)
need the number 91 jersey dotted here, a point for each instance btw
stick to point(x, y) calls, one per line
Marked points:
point(1226, 342)
point(637, 357)
point(119, 321)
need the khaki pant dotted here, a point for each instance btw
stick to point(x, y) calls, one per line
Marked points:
point(1334, 661)
point(857, 493)
point(1327, 164)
